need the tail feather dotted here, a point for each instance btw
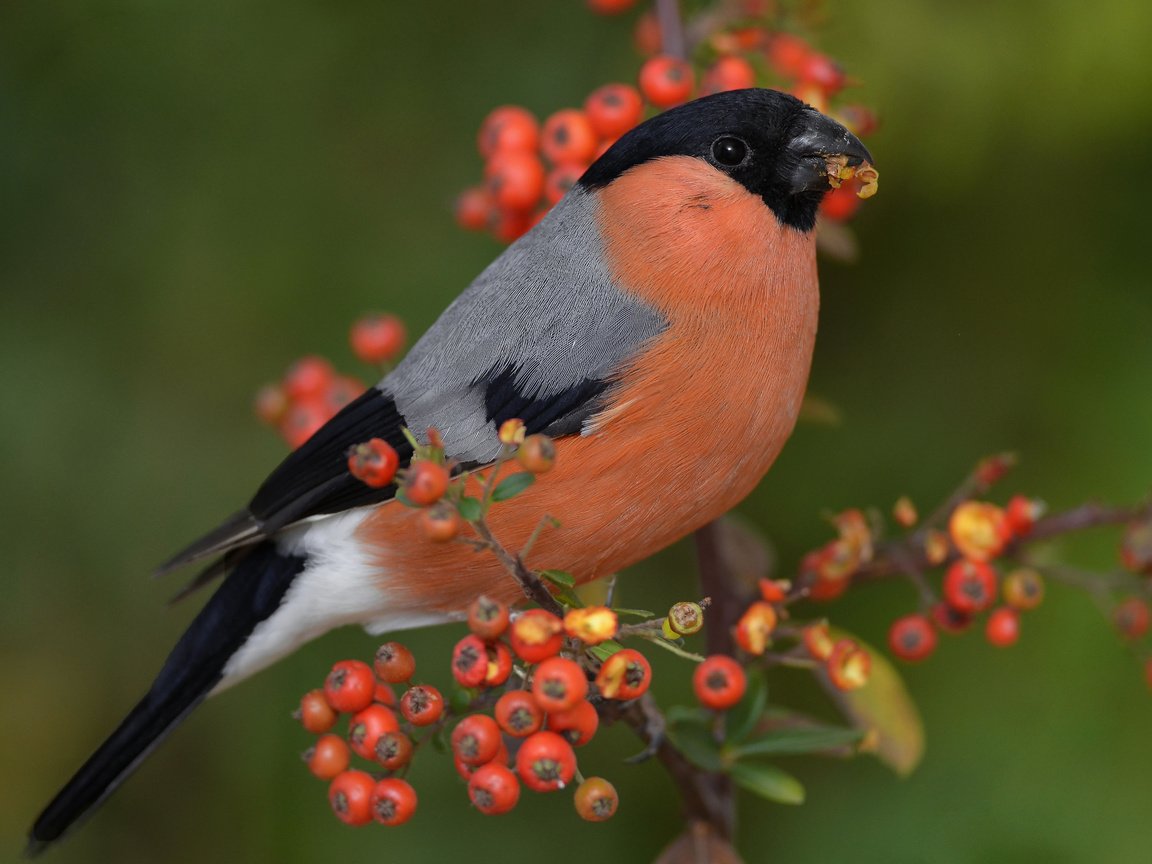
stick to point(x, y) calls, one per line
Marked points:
point(249, 595)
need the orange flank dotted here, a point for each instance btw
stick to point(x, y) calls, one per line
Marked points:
point(697, 418)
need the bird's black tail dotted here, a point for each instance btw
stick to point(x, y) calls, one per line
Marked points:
point(249, 595)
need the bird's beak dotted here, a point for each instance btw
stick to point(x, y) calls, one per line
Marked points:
point(825, 154)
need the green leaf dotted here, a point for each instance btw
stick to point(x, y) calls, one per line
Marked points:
point(470, 509)
point(788, 741)
point(697, 744)
point(635, 613)
point(513, 485)
point(559, 577)
point(884, 708)
point(567, 597)
point(742, 719)
point(605, 649)
point(768, 781)
point(686, 714)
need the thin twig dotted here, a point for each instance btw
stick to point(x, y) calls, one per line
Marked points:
point(530, 583)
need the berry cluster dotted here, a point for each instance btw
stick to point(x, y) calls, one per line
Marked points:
point(529, 165)
point(312, 391)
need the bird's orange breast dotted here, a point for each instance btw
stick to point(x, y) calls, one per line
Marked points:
point(696, 419)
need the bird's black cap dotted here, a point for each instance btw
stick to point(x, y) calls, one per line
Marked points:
point(773, 144)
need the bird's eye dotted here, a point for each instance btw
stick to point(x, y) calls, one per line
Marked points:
point(729, 151)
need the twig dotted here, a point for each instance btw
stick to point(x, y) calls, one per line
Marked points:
point(530, 583)
point(671, 28)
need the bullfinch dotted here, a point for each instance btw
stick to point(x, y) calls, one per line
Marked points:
point(658, 322)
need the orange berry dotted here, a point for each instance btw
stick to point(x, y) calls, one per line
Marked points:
point(536, 635)
point(558, 684)
point(840, 204)
point(303, 420)
point(970, 586)
point(393, 801)
point(271, 404)
point(978, 530)
point(425, 482)
point(506, 128)
point(1021, 514)
point(823, 72)
point(328, 756)
point(394, 663)
point(625, 675)
point(817, 640)
point(610, 7)
point(561, 179)
point(719, 682)
point(614, 109)
point(493, 789)
point(849, 665)
point(592, 624)
point(545, 762)
point(350, 795)
point(511, 432)
point(474, 208)
point(775, 590)
point(314, 713)
point(469, 661)
point(377, 338)
point(754, 629)
point(308, 378)
point(646, 34)
point(1132, 618)
point(788, 54)
point(1023, 588)
point(568, 137)
point(515, 179)
point(367, 726)
point(728, 73)
point(344, 389)
point(422, 705)
point(518, 713)
point(537, 454)
point(666, 81)
point(578, 724)
point(440, 522)
point(393, 750)
point(499, 665)
point(904, 511)
point(912, 638)
point(596, 799)
point(476, 739)
point(487, 618)
point(509, 225)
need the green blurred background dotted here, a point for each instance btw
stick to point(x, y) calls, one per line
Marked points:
point(195, 194)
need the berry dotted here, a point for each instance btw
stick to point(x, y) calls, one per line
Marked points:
point(1003, 627)
point(614, 109)
point(970, 586)
point(545, 762)
point(487, 618)
point(625, 675)
point(536, 635)
point(903, 511)
point(728, 73)
point(271, 404)
point(1132, 618)
point(754, 629)
point(314, 713)
point(685, 618)
point(610, 7)
point(857, 119)
point(373, 463)
point(422, 705)
point(350, 795)
point(308, 378)
point(592, 624)
point(508, 127)
point(384, 695)
point(1136, 546)
point(578, 724)
point(350, 686)
point(425, 482)
point(568, 137)
point(394, 663)
point(949, 619)
point(344, 390)
point(1021, 513)
point(469, 661)
point(719, 682)
point(936, 547)
point(302, 421)
point(393, 801)
point(1023, 588)
point(367, 726)
point(823, 72)
point(476, 739)
point(393, 750)
point(817, 640)
point(646, 34)
point(848, 665)
point(537, 454)
point(912, 638)
point(511, 432)
point(328, 756)
point(978, 530)
point(377, 338)
point(596, 799)
point(788, 54)
point(840, 204)
point(666, 81)
point(561, 179)
point(515, 180)
point(774, 590)
point(440, 522)
point(474, 208)
point(509, 225)
point(518, 713)
point(558, 684)
point(493, 789)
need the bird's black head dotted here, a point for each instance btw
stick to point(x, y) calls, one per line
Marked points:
point(771, 143)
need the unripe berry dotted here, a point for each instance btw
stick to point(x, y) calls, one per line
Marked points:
point(596, 799)
point(685, 618)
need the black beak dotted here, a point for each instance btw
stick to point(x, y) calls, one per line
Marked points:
point(818, 139)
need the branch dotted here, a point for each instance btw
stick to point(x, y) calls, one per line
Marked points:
point(534, 589)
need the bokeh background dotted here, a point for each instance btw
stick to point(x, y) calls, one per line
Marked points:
point(195, 194)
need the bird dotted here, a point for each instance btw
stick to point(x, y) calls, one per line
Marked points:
point(658, 323)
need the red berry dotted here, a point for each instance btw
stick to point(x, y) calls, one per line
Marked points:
point(823, 72)
point(422, 705)
point(476, 739)
point(509, 225)
point(596, 799)
point(568, 137)
point(474, 208)
point(949, 619)
point(393, 750)
point(350, 686)
point(499, 665)
point(578, 724)
point(970, 586)
point(840, 204)
point(518, 714)
point(561, 179)
point(515, 180)
point(315, 714)
point(754, 629)
point(344, 390)
point(487, 618)
point(328, 756)
point(393, 801)
point(912, 638)
point(303, 420)
point(367, 726)
point(350, 795)
point(493, 789)
point(1132, 618)
point(377, 338)
point(646, 35)
point(545, 762)
point(728, 73)
point(508, 127)
point(440, 522)
point(666, 81)
point(1021, 514)
point(536, 635)
point(849, 665)
point(308, 378)
point(625, 675)
point(614, 109)
point(817, 640)
point(610, 7)
point(394, 663)
point(1003, 627)
point(385, 695)
point(425, 482)
point(373, 463)
point(469, 661)
point(788, 54)
point(719, 682)
point(558, 684)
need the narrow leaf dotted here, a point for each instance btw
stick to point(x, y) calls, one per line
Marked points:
point(768, 781)
point(697, 745)
point(635, 613)
point(513, 485)
point(605, 649)
point(470, 509)
point(743, 718)
point(559, 577)
point(788, 741)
